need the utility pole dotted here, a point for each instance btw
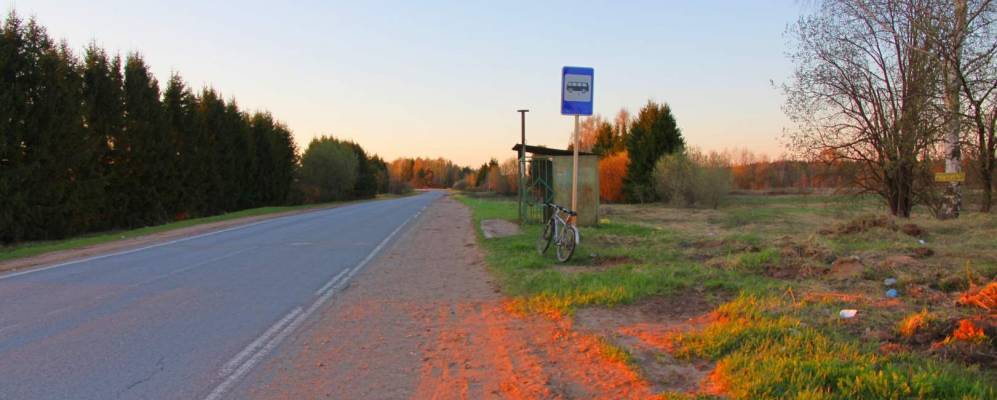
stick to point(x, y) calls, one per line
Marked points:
point(522, 167)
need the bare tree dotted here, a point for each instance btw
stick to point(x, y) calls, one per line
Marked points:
point(621, 124)
point(863, 91)
point(964, 37)
point(588, 131)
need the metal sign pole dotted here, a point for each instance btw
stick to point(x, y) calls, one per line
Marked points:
point(522, 168)
point(574, 174)
point(577, 84)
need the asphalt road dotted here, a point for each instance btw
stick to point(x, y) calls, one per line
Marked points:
point(186, 319)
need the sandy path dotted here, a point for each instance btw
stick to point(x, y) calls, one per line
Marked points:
point(426, 321)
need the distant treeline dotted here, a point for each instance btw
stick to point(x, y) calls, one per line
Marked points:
point(407, 173)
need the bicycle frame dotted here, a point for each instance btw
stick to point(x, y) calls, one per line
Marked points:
point(560, 223)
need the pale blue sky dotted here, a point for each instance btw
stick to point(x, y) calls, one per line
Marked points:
point(417, 78)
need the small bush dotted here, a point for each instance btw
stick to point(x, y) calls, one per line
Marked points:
point(329, 170)
point(396, 186)
point(691, 179)
point(612, 170)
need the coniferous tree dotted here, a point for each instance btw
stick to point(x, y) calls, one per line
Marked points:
point(147, 174)
point(17, 74)
point(236, 158)
point(366, 183)
point(654, 133)
point(284, 158)
point(103, 118)
point(210, 122)
point(89, 145)
point(179, 108)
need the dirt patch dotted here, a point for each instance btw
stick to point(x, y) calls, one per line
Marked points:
point(596, 263)
point(846, 268)
point(922, 252)
point(912, 230)
point(799, 259)
point(496, 228)
point(425, 321)
point(646, 329)
point(899, 262)
point(869, 222)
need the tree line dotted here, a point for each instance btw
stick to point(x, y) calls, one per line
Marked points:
point(93, 143)
point(406, 173)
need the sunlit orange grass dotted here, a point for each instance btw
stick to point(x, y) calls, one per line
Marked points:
point(968, 332)
point(551, 307)
point(891, 348)
point(828, 297)
point(985, 298)
point(965, 332)
point(558, 306)
point(913, 323)
point(717, 382)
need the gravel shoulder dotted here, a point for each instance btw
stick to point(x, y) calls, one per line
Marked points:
point(427, 320)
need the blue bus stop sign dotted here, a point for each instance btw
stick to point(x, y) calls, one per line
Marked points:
point(576, 90)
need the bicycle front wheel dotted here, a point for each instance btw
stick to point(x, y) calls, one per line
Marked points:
point(546, 235)
point(567, 244)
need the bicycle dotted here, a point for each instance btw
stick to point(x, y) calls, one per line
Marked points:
point(557, 227)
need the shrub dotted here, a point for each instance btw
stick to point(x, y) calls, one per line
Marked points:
point(612, 170)
point(691, 179)
point(328, 170)
point(396, 186)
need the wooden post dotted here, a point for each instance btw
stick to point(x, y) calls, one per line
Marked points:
point(574, 174)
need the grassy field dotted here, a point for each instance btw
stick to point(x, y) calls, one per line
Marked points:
point(779, 270)
point(36, 248)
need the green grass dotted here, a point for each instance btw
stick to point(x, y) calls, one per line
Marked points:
point(37, 248)
point(765, 352)
point(653, 265)
point(767, 343)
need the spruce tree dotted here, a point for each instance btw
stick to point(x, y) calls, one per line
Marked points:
point(103, 118)
point(148, 176)
point(654, 133)
point(179, 108)
point(16, 77)
point(209, 122)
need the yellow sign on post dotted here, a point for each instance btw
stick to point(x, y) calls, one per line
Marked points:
point(950, 177)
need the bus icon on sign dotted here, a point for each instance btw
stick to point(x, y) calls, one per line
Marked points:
point(578, 87)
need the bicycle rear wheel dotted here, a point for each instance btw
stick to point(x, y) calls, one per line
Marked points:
point(546, 235)
point(566, 246)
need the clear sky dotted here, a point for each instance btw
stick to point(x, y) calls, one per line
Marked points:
point(444, 79)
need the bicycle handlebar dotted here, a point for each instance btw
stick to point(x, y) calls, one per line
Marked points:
point(562, 209)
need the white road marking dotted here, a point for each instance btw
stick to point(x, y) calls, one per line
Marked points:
point(233, 376)
point(331, 282)
point(9, 327)
point(239, 358)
